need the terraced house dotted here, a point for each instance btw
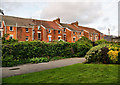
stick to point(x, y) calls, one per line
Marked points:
point(25, 29)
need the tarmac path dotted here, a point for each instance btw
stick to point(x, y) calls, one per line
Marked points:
point(28, 68)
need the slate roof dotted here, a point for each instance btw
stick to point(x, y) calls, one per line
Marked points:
point(48, 24)
point(75, 27)
point(66, 25)
point(91, 30)
point(10, 20)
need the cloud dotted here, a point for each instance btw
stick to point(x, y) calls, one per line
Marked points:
point(106, 19)
point(84, 12)
point(10, 6)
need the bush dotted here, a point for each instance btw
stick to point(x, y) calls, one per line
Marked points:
point(84, 40)
point(104, 56)
point(4, 41)
point(114, 53)
point(94, 54)
point(102, 41)
point(39, 60)
point(104, 53)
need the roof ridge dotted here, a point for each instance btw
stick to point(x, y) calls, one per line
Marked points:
point(22, 18)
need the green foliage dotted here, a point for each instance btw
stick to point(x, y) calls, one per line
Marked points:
point(4, 41)
point(95, 54)
point(39, 60)
point(102, 41)
point(85, 40)
point(33, 49)
point(58, 57)
point(119, 57)
point(104, 56)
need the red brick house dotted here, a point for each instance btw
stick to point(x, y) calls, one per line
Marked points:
point(25, 29)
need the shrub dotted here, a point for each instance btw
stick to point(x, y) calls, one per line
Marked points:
point(103, 53)
point(119, 57)
point(113, 55)
point(93, 55)
point(84, 40)
point(102, 41)
point(104, 56)
point(39, 60)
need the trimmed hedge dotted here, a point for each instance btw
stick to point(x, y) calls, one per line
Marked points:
point(25, 50)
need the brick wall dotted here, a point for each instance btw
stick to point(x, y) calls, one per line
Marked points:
point(21, 34)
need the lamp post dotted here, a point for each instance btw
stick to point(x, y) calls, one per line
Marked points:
point(1, 11)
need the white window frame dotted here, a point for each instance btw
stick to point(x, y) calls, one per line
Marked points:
point(64, 30)
point(10, 29)
point(26, 28)
point(38, 27)
point(49, 31)
point(40, 36)
point(49, 36)
point(74, 38)
point(59, 37)
point(91, 38)
point(26, 37)
point(11, 36)
point(96, 37)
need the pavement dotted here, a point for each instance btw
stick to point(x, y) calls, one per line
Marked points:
point(29, 68)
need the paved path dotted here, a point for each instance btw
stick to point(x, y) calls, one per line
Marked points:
point(28, 68)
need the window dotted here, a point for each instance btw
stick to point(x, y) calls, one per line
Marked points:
point(39, 28)
point(64, 29)
point(80, 33)
point(49, 37)
point(74, 39)
point(64, 37)
point(95, 37)
point(11, 28)
point(59, 37)
point(26, 29)
point(49, 31)
point(58, 31)
point(0, 24)
point(26, 38)
point(39, 36)
point(73, 33)
point(11, 37)
point(91, 38)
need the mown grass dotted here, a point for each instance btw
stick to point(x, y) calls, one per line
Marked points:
point(77, 73)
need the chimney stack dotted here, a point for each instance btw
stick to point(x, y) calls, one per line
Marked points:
point(75, 23)
point(57, 20)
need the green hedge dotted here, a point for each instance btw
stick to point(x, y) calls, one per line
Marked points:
point(24, 50)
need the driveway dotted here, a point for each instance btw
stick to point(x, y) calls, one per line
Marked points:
point(28, 68)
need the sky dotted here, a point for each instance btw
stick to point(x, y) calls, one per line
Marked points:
point(98, 14)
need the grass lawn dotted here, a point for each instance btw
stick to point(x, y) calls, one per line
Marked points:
point(77, 73)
